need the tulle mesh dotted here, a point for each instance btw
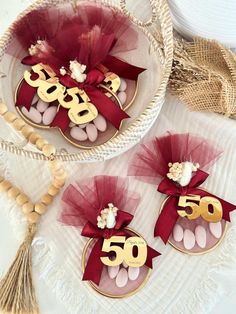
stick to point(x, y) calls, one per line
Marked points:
point(88, 34)
point(41, 24)
point(83, 201)
point(150, 163)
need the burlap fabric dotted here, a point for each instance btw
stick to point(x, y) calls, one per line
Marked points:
point(204, 76)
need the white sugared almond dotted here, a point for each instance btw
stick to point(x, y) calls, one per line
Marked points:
point(92, 132)
point(32, 114)
point(189, 239)
point(122, 278)
point(82, 126)
point(42, 106)
point(35, 99)
point(113, 271)
point(123, 85)
point(100, 123)
point(200, 234)
point(122, 97)
point(78, 134)
point(133, 273)
point(49, 115)
point(178, 233)
point(216, 229)
point(71, 124)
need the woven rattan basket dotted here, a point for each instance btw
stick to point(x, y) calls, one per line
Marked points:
point(138, 127)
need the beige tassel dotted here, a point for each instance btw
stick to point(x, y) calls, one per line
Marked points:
point(17, 295)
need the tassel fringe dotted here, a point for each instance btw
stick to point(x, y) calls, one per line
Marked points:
point(17, 294)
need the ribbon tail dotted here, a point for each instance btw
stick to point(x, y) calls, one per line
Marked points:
point(121, 68)
point(61, 119)
point(226, 206)
point(106, 106)
point(227, 209)
point(25, 95)
point(150, 255)
point(167, 219)
point(94, 267)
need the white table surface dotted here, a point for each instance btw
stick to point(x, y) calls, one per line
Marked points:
point(8, 243)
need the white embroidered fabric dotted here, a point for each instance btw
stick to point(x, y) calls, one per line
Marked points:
point(179, 283)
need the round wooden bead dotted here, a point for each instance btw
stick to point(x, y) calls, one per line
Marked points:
point(13, 192)
point(54, 164)
point(33, 217)
point(5, 185)
point(27, 130)
point(21, 199)
point(3, 108)
point(40, 208)
point(47, 199)
point(40, 143)
point(49, 150)
point(18, 124)
point(52, 190)
point(34, 137)
point(59, 172)
point(28, 208)
point(10, 116)
point(58, 183)
point(61, 177)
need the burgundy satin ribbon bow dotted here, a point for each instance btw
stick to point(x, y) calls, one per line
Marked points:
point(94, 267)
point(113, 113)
point(168, 216)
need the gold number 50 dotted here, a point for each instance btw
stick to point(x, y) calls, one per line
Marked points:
point(126, 253)
point(201, 207)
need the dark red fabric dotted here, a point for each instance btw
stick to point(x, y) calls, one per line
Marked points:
point(26, 93)
point(83, 202)
point(168, 216)
point(94, 267)
point(111, 111)
point(122, 68)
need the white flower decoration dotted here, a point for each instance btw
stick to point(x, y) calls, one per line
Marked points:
point(182, 172)
point(107, 219)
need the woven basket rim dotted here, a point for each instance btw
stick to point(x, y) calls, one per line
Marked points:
point(125, 139)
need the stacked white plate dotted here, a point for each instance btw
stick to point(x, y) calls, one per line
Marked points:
point(215, 19)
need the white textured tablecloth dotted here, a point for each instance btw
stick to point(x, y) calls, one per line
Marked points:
point(179, 283)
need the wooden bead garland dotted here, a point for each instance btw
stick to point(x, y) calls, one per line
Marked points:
point(59, 175)
point(17, 283)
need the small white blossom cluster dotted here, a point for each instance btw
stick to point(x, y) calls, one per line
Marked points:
point(76, 71)
point(107, 214)
point(176, 170)
point(40, 46)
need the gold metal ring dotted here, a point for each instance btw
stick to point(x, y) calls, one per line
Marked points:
point(195, 253)
point(96, 288)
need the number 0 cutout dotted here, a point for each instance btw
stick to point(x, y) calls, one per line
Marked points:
point(203, 208)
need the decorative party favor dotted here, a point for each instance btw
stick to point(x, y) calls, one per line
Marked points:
point(191, 218)
point(116, 259)
point(75, 82)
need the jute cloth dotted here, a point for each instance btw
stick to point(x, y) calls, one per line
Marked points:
point(204, 76)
